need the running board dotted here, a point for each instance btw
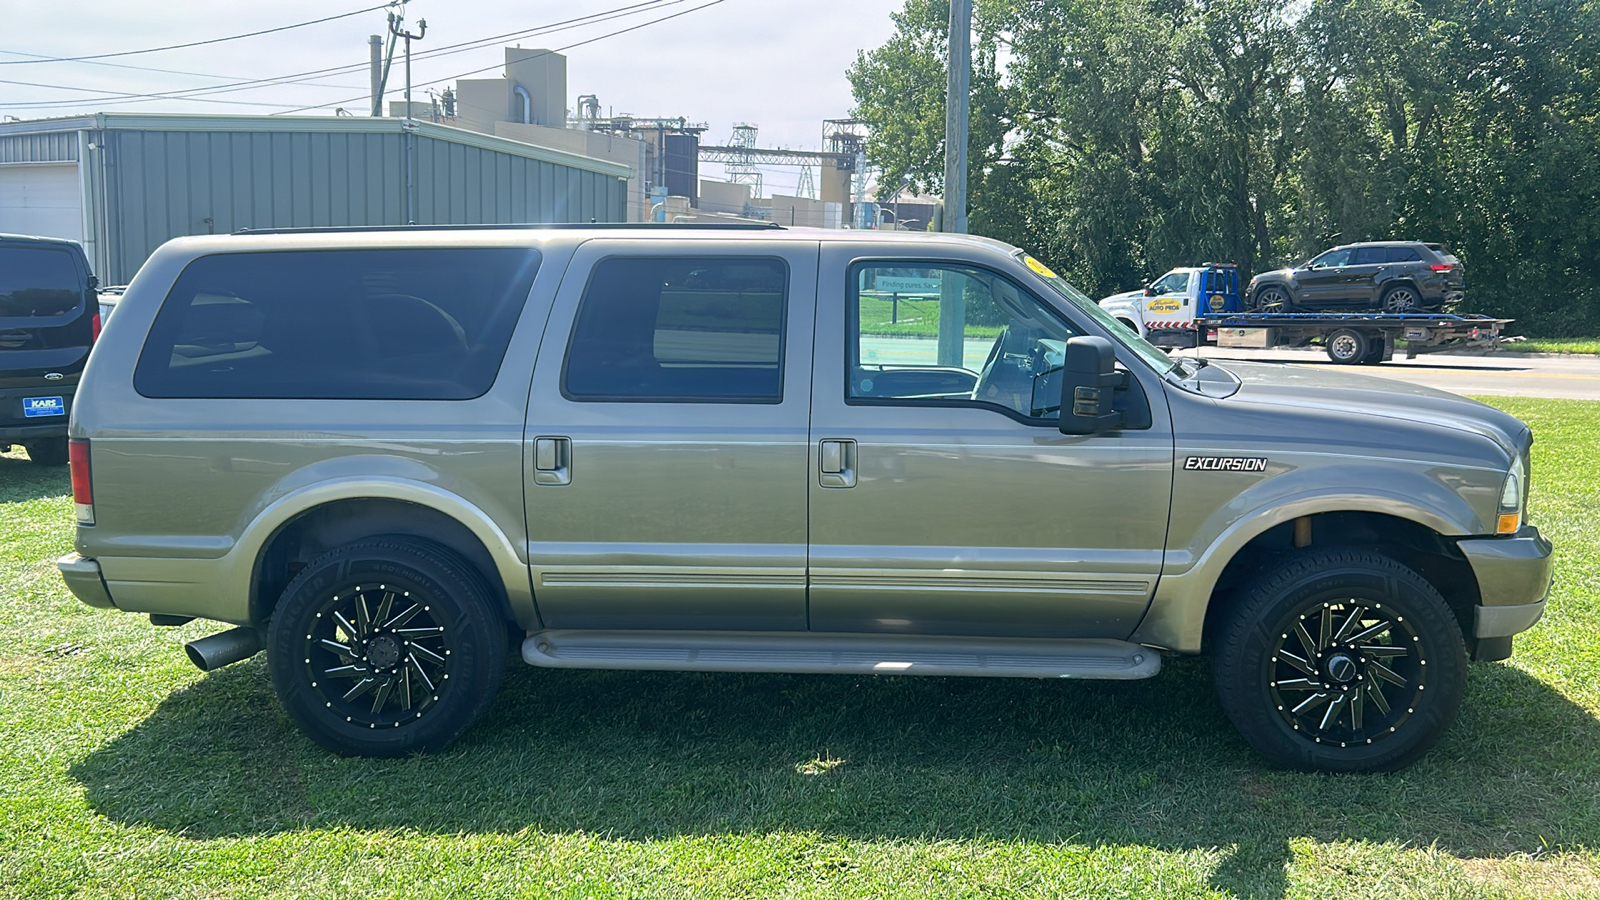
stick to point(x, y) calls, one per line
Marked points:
point(863, 654)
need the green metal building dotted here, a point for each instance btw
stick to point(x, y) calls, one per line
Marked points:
point(123, 184)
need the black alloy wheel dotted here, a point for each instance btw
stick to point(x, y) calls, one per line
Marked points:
point(1341, 660)
point(1273, 299)
point(1401, 299)
point(385, 647)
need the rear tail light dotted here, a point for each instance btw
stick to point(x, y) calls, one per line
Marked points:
point(82, 488)
point(94, 328)
point(1441, 267)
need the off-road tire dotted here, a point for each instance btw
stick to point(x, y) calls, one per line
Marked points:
point(1368, 613)
point(395, 611)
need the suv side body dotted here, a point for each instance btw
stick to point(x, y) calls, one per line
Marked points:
point(743, 450)
point(1382, 276)
point(49, 319)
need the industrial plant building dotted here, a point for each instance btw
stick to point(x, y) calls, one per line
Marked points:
point(492, 150)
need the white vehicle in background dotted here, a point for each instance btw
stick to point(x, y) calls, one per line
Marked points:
point(1166, 312)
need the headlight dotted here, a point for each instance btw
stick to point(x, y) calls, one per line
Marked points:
point(1511, 497)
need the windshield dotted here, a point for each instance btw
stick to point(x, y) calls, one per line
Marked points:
point(1076, 298)
point(1171, 283)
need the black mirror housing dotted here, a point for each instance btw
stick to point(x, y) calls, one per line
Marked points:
point(1088, 379)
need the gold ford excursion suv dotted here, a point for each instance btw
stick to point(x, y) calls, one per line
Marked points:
point(393, 457)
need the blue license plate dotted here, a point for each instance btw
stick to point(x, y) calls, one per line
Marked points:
point(33, 407)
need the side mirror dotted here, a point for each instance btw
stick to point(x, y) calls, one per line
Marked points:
point(1088, 379)
point(1149, 291)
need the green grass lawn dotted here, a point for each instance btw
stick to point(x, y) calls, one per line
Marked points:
point(1554, 345)
point(126, 772)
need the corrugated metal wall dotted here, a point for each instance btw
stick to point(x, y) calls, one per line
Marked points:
point(163, 184)
point(51, 146)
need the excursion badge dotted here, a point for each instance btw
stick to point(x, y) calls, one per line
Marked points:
point(1226, 463)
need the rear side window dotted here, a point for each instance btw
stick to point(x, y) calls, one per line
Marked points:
point(675, 329)
point(38, 281)
point(1404, 254)
point(429, 324)
point(1367, 256)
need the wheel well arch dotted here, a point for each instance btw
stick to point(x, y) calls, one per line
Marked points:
point(335, 523)
point(1404, 281)
point(1416, 546)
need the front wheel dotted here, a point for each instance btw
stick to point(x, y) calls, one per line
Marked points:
point(1273, 300)
point(1341, 660)
point(385, 647)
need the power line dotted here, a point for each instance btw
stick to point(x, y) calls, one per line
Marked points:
point(256, 83)
point(342, 87)
point(535, 56)
point(235, 37)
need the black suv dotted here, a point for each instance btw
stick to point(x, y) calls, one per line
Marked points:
point(49, 318)
point(1386, 276)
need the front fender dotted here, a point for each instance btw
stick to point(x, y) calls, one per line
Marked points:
point(1197, 556)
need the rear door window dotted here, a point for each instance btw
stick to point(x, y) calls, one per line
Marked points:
point(1403, 254)
point(409, 324)
point(1370, 256)
point(38, 282)
point(671, 329)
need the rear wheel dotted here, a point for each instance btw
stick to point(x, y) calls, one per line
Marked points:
point(1341, 660)
point(385, 647)
point(1347, 346)
point(48, 451)
point(1273, 299)
point(1401, 299)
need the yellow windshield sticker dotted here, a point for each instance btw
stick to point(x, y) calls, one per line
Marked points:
point(1039, 267)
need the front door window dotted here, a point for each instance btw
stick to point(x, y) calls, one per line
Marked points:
point(952, 335)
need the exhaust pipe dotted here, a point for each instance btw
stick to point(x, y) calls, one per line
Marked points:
point(225, 649)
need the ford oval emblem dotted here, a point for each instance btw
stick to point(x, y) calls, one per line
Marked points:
point(53, 376)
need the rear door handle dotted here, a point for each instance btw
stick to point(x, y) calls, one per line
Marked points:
point(552, 460)
point(836, 464)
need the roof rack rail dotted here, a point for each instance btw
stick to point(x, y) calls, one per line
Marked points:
point(543, 226)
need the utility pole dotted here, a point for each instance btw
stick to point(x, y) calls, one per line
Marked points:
point(410, 124)
point(375, 45)
point(956, 115)
point(952, 285)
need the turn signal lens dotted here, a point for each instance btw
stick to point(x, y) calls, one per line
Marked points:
point(1509, 523)
point(82, 491)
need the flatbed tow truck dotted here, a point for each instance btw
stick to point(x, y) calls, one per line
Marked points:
point(1201, 306)
point(1352, 338)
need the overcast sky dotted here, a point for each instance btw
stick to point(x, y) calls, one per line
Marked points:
point(778, 64)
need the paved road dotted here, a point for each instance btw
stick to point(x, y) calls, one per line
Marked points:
point(1495, 374)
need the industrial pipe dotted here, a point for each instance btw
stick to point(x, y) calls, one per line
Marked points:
point(225, 649)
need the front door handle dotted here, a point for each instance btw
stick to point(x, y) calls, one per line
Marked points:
point(552, 460)
point(836, 464)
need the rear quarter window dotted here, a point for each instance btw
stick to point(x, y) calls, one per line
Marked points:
point(38, 281)
point(428, 324)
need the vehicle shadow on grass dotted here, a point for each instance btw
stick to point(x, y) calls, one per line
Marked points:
point(639, 756)
point(22, 480)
